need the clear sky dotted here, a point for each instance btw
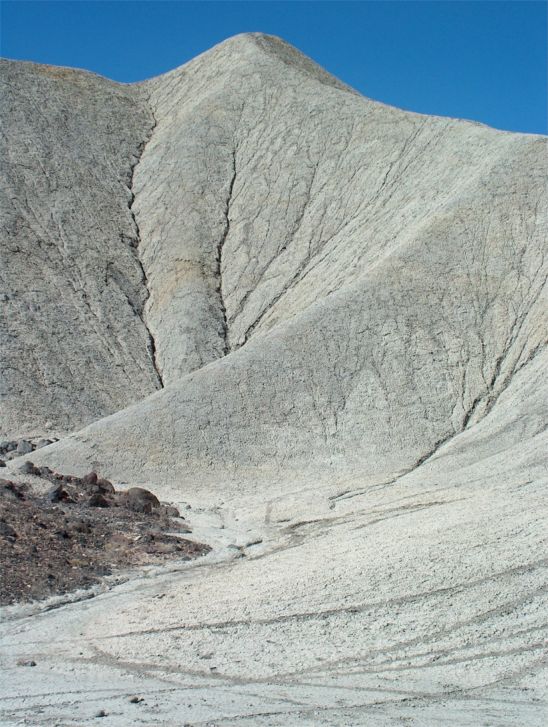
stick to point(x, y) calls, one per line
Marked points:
point(478, 60)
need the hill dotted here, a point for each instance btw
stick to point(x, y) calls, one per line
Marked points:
point(320, 322)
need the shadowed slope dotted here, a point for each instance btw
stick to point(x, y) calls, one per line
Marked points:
point(74, 345)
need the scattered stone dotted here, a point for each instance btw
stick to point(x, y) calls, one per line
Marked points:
point(102, 713)
point(12, 490)
point(82, 527)
point(2, 463)
point(26, 662)
point(78, 533)
point(136, 700)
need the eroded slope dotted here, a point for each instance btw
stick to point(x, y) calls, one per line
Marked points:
point(74, 345)
point(267, 187)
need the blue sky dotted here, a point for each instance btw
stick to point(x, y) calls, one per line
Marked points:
point(477, 60)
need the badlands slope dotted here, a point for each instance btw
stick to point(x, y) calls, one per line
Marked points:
point(318, 321)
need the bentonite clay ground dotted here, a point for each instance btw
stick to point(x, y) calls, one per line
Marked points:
point(79, 531)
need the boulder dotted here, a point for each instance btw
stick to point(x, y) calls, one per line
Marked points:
point(24, 447)
point(139, 499)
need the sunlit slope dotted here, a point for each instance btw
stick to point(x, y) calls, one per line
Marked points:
point(267, 185)
point(371, 378)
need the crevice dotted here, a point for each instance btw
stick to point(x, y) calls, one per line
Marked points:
point(495, 387)
point(219, 260)
point(136, 242)
point(431, 452)
point(350, 494)
point(472, 410)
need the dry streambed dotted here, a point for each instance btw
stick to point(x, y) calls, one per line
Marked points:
point(68, 532)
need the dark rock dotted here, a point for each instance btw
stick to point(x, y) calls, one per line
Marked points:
point(171, 511)
point(24, 447)
point(136, 700)
point(90, 479)
point(12, 490)
point(82, 527)
point(102, 713)
point(26, 662)
point(7, 531)
point(59, 494)
point(139, 500)
point(75, 535)
point(29, 469)
point(2, 463)
point(42, 443)
point(143, 494)
point(98, 500)
point(8, 446)
point(104, 486)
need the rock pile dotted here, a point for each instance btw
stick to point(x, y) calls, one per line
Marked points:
point(12, 448)
point(79, 531)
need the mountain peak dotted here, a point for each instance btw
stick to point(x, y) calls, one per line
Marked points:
point(252, 47)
